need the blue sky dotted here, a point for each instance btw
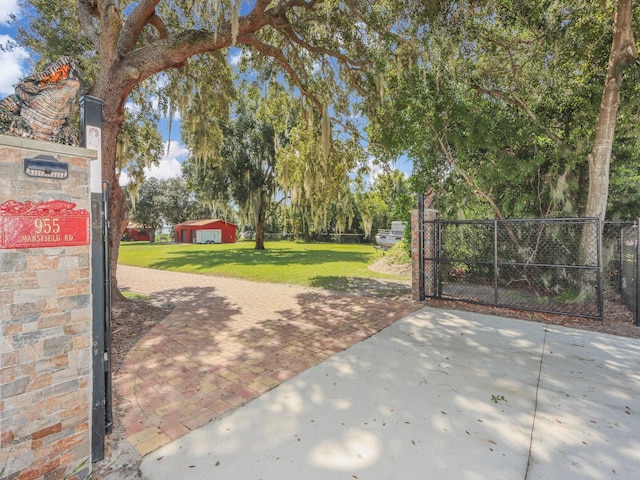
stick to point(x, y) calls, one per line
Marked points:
point(13, 64)
point(14, 67)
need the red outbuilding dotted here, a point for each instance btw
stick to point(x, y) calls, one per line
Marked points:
point(205, 231)
point(135, 232)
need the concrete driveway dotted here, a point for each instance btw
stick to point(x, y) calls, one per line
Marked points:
point(436, 395)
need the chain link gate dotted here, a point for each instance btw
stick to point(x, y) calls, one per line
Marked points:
point(630, 269)
point(545, 265)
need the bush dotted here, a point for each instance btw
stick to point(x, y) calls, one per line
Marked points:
point(400, 252)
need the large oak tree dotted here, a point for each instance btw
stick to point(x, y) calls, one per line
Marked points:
point(245, 173)
point(324, 48)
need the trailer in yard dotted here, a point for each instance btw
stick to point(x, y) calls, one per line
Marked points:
point(208, 236)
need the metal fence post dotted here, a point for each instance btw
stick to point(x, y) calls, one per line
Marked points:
point(421, 285)
point(495, 260)
point(637, 285)
point(439, 277)
point(430, 251)
point(600, 270)
point(91, 137)
point(620, 266)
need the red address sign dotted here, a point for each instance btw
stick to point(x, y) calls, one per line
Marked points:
point(54, 223)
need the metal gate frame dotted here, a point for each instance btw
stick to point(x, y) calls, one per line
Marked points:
point(629, 268)
point(437, 262)
point(102, 415)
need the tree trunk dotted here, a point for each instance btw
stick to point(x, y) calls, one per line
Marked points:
point(259, 236)
point(262, 215)
point(623, 52)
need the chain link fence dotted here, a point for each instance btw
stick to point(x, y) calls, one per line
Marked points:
point(627, 285)
point(546, 265)
point(613, 258)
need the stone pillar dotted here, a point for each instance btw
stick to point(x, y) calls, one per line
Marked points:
point(423, 249)
point(45, 313)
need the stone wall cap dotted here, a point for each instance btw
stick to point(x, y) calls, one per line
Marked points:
point(48, 147)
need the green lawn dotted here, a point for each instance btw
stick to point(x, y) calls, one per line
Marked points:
point(320, 265)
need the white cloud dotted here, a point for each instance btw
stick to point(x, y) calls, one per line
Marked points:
point(123, 179)
point(403, 164)
point(176, 117)
point(131, 108)
point(375, 170)
point(176, 149)
point(234, 59)
point(236, 56)
point(170, 164)
point(167, 168)
point(8, 7)
point(13, 67)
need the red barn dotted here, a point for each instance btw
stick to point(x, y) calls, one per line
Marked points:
point(136, 233)
point(205, 231)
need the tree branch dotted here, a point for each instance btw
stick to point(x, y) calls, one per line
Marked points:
point(447, 153)
point(87, 11)
point(136, 21)
point(276, 54)
point(514, 100)
point(176, 48)
point(289, 31)
point(480, 193)
point(109, 28)
point(282, 23)
point(171, 52)
point(157, 22)
point(286, 6)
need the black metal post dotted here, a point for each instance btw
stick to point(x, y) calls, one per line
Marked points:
point(439, 276)
point(495, 261)
point(620, 266)
point(637, 285)
point(421, 295)
point(97, 290)
point(106, 230)
point(91, 137)
point(600, 270)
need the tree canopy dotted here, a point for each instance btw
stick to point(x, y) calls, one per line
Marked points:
point(501, 100)
point(325, 50)
point(506, 108)
point(158, 203)
point(245, 172)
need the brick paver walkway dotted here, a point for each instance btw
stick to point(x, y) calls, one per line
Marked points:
point(228, 341)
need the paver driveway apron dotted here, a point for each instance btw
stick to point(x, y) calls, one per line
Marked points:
point(229, 341)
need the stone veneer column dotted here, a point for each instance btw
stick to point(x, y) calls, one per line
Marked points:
point(45, 329)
